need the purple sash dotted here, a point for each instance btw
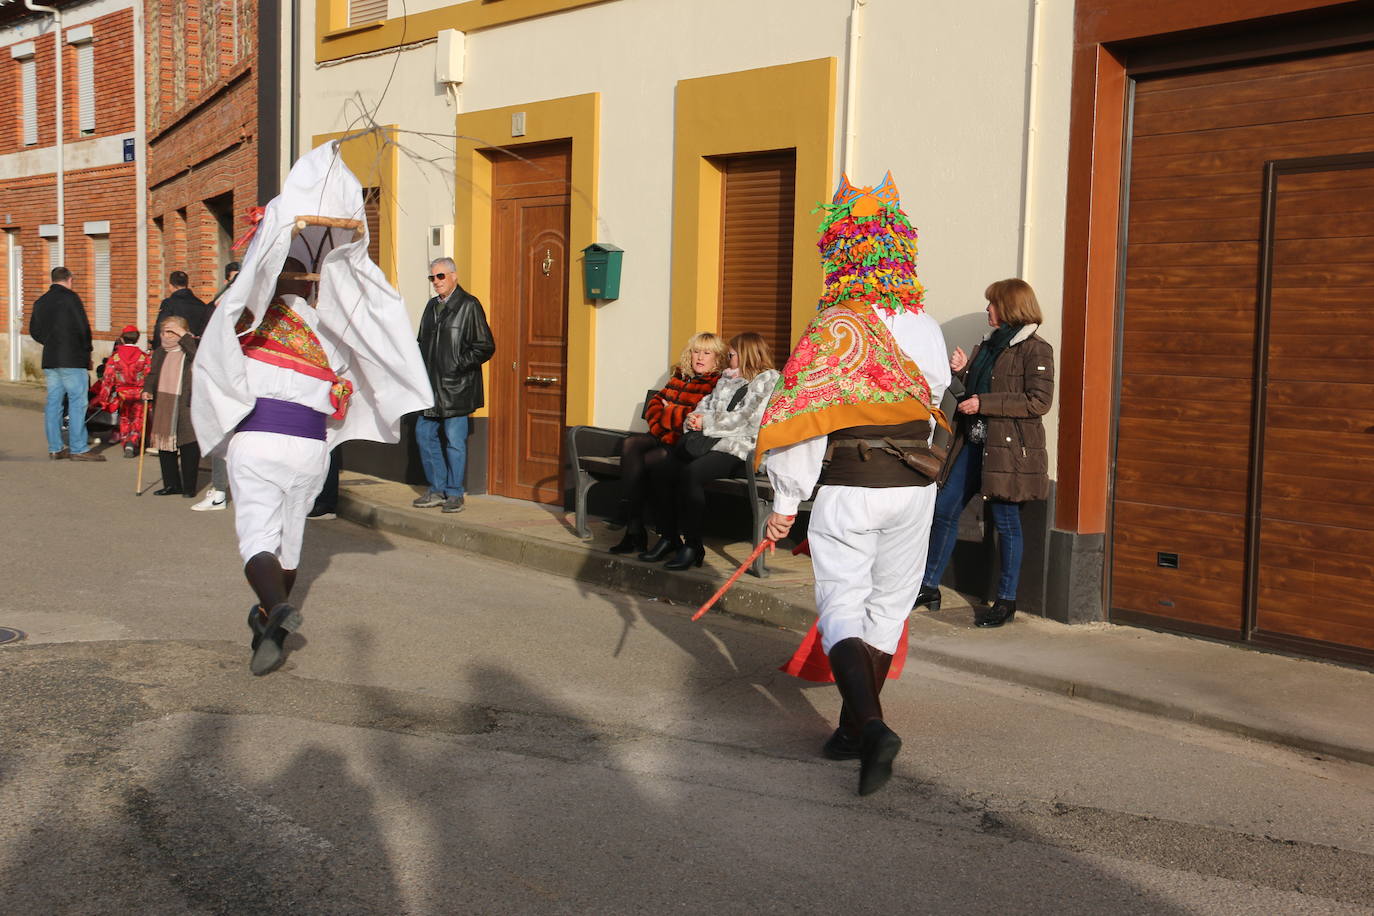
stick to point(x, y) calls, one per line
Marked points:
point(270, 415)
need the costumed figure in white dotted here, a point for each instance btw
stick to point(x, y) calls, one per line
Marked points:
point(309, 348)
point(854, 412)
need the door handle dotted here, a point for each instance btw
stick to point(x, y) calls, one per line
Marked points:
point(540, 380)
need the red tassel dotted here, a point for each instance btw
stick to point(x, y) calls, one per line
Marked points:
point(252, 216)
point(810, 663)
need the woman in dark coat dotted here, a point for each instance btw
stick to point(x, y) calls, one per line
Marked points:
point(168, 388)
point(999, 442)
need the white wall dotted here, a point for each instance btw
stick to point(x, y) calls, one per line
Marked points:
point(942, 102)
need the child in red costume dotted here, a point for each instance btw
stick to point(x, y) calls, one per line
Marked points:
point(121, 387)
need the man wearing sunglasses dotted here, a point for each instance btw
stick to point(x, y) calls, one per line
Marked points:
point(455, 341)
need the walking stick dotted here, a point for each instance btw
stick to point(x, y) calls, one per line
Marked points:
point(765, 544)
point(142, 446)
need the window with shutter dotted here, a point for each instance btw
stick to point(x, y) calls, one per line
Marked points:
point(28, 78)
point(372, 205)
point(54, 257)
point(758, 202)
point(100, 268)
point(85, 83)
point(360, 11)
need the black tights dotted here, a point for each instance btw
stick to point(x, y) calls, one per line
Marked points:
point(181, 477)
point(638, 453)
point(680, 491)
point(269, 581)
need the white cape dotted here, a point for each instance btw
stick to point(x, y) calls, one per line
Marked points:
point(362, 321)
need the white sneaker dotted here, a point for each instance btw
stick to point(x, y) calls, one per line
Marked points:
point(214, 499)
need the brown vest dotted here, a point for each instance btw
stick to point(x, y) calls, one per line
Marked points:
point(861, 456)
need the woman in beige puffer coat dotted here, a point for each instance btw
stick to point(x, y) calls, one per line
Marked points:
point(999, 442)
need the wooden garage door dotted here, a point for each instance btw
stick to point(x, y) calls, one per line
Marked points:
point(1187, 483)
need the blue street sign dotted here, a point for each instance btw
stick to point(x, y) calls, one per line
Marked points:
point(129, 150)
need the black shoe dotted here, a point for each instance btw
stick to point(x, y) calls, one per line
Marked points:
point(257, 622)
point(267, 654)
point(687, 555)
point(842, 746)
point(665, 546)
point(1002, 610)
point(929, 598)
point(168, 491)
point(878, 748)
point(634, 541)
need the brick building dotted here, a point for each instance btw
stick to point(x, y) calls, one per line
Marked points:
point(203, 135)
point(78, 199)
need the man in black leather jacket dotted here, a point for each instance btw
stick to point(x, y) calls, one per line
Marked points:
point(184, 303)
point(454, 341)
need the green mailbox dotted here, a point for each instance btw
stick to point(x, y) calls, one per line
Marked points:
point(601, 270)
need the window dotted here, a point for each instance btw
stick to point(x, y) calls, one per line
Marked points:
point(360, 11)
point(28, 81)
point(372, 207)
point(85, 87)
point(758, 201)
point(100, 280)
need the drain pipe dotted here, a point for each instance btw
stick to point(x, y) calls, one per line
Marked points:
point(141, 167)
point(1032, 135)
point(851, 87)
point(61, 176)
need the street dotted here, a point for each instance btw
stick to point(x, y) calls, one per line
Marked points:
point(454, 734)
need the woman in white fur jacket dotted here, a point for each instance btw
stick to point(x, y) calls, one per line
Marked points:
point(728, 419)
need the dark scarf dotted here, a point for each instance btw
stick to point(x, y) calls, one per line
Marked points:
point(979, 378)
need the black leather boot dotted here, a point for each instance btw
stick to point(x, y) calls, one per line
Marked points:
point(845, 743)
point(634, 539)
point(855, 667)
point(666, 545)
point(687, 555)
point(928, 597)
point(1002, 610)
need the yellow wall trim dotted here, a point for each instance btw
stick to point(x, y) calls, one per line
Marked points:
point(374, 162)
point(334, 38)
point(576, 118)
point(788, 106)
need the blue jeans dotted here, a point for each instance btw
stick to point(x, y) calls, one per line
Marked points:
point(964, 481)
point(446, 460)
point(71, 385)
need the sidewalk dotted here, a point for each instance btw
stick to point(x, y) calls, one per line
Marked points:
point(1315, 706)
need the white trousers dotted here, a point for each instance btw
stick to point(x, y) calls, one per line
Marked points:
point(868, 552)
point(274, 479)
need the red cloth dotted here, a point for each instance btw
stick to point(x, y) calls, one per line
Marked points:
point(810, 663)
point(667, 410)
point(121, 388)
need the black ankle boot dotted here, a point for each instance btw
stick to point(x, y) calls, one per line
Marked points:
point(878, 747)
point(687, 555)
point(634, 540)
point(929, 597)
point(665, 546)
point(1002, 610)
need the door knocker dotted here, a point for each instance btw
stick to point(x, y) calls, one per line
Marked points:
point(548, 261)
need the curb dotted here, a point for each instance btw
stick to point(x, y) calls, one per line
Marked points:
point(578, 563)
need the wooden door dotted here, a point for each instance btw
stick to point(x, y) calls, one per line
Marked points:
point(1189, 484)
point(1315, 552)
point(530, 263)
point(758, 201)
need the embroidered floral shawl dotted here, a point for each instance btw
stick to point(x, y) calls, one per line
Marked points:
point(283, 339)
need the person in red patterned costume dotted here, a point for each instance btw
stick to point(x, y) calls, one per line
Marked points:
point(121, 387)
point(693, 378)
point(853, 413)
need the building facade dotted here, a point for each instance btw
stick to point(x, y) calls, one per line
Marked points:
point(71, 188)
point(203, 136)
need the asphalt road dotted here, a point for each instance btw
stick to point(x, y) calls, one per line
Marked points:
point(452, 734)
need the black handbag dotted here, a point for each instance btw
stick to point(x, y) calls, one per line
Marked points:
point(695, 443)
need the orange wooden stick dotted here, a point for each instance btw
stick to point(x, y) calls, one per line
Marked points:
point(765, 544)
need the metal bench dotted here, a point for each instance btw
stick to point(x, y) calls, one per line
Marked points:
point(595, 457)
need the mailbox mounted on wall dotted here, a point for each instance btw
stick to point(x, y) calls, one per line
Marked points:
point(601, 270)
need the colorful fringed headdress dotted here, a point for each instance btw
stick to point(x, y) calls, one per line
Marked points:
point(868, 249)
point(847, 369)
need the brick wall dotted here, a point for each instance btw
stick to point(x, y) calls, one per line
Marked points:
point(107, 193)
point(202, 134)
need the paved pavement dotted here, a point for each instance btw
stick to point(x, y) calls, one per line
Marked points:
point(456, 733)
point(1317, 706)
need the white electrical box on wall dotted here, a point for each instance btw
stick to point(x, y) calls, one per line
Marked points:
point(441, 241)
point(449, 56)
